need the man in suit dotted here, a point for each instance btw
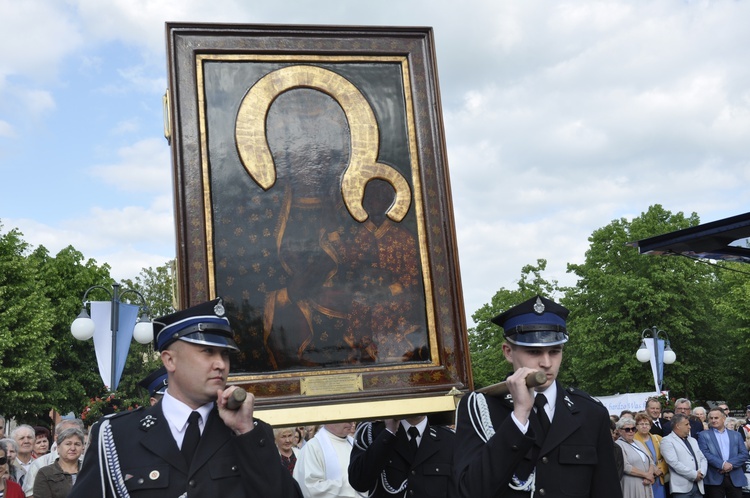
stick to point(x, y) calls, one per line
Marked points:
point(687, 465)
point(683, 406)
point(506, 448)
point(406, 457)
point(659, 426)
point(190, 442)
point(726, 454)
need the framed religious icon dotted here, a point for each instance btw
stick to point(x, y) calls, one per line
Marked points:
point(312, 195)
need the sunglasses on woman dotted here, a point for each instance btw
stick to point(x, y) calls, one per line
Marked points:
point(628, 429)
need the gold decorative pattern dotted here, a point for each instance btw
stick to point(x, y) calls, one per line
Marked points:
point(363, 166)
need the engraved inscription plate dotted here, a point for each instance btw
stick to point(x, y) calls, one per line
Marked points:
point(330, 384)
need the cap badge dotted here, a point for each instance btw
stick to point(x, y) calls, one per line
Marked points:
point(219, 308)
point(538, 306)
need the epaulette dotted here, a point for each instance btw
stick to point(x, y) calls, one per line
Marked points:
point(116, 415)
point(122, 413)
point(436, 429)
point(583, 395)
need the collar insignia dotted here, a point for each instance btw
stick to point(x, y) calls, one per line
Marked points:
point(147, 422)
point(568, 401)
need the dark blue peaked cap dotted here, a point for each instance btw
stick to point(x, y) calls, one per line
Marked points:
point(156, 382)
point(536, 322)
point(202, 324)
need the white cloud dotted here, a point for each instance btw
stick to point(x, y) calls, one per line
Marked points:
point(37, 101)
point(129, 239)
point(37, 34)
point(142, 167)
point(6, 130)
point(138, 79)
point(126, 126)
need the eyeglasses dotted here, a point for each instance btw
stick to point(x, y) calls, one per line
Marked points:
point(628, 429)
point(3, 460)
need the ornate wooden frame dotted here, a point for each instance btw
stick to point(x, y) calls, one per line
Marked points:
point(226, 84)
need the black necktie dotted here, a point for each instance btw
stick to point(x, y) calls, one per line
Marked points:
point(539, 401)
point(192, 437)
point(687, 443)
point(413, 434)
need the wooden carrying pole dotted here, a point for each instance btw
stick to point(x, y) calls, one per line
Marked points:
point(534, 379)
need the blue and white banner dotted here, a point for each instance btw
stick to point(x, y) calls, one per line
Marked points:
point(657, 370)
point(101, 314)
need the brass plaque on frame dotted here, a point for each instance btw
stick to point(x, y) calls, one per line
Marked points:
point(330, 384)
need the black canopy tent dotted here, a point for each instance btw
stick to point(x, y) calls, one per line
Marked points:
point(720, 240)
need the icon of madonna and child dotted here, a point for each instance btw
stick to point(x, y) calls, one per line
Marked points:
point(316, 246)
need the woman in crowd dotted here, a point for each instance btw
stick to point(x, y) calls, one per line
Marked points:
point(56, 480)
point(41, 445)
point(299, 437)
point(731, 423)
point(10, 447)
point(287, 451)
point(700, 413)
point(643, 426)
point(8, 488)
point(638, 472)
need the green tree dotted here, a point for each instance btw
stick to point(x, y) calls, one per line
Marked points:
point(620, 293)
point(26, 315)
point(733, 308)
point(43, 366)
point(486, 338)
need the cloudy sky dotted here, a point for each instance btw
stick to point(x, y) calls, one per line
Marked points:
point(560, 116)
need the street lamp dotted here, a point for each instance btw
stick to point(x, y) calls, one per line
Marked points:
point(83, 327)
point(657, 350)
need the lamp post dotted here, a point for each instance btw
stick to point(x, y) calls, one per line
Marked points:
point(83, 327)
point(658, 351)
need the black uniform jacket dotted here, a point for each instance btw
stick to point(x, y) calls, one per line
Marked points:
point(576, 458)
point(224, 465)
point(381, 460)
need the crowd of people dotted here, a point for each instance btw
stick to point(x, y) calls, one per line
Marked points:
point(535, 440)
point(690, 453)
point(34, 462)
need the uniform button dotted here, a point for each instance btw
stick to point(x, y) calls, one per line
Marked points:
point(235, 468)
point(514, 447)
point(542, 492)
point(413, 472)
point(191, 483)
point(411, 492)
point(262, 442)
point(140, 481)
point(578, 457)
point(545, 460)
